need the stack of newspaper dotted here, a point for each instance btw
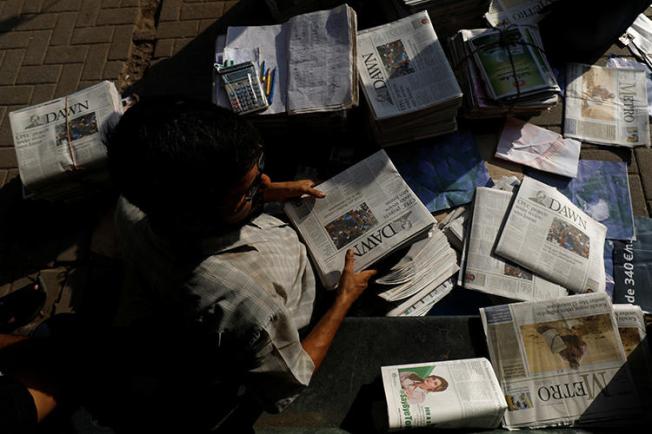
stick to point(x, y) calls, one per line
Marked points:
point(638, 38)
point(451, 394)
point(503, 71)
point(562, 362)
point(607, 106)
point(311, 60)
point(422, 277)
point(447, 15)
point(407, 81)
point(368, 208)
point(59, 146)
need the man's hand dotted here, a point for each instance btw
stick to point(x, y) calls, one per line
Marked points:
point(284, 191)
point(352, 284)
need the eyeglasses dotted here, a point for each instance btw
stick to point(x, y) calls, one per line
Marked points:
point(258, 182)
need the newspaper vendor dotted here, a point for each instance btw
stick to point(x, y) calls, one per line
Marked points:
point(200, 251)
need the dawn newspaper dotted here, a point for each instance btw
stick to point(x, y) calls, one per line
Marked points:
point(368, 208)
point(488, 273)
point(547, 234)
point(606, 106)
point(451, 394)
point(403, 67)
point(560, 362)
point(63, 135)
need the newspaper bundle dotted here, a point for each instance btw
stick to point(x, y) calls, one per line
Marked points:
point(368, 208)
point(533, 146)
point(560, 362)
point(607, 106)
point(493, 84)
point(407, 81)
point(420, 276)
point(506, 12)
point(638, 38)
point(483, 270)
point(59, 144)
point(451, 394)
point(547, 234)
point(312, 57)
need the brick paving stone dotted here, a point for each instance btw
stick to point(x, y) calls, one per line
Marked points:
point(112, 70)
point(14, 40)
point(38, 74)
point(117, 16)
point(164, 48)
point(63, 30)
point(37, 47)
point(9, 68)
point(202, 10)
point(92, 35)
point(66, 54)
point(638, 196)
point(170, 10)
point(38, 22)
point(12, 8)
point(180, 43)
point(7, 158)
point(184, 29)
point(15, 95)
point(42, 93)
point(32, 6)
point(65, 6)
point(88, 13)
point(95, 62)
point(111, 3)
point(120, 47)
point(69, 81)
point(644, 160)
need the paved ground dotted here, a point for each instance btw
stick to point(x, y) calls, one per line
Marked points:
point(50, 48)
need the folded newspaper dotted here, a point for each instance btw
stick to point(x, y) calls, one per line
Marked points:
point(533, 146)
point(368, 208)
point(547, 234)
point(561, 362)
point(407, 81)
point(607, 106)
point(483, 270)
point(638, 38)
point(506, 12)
point(59, 144)
point(451, 394)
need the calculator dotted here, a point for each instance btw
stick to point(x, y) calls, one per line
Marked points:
point(243, 88)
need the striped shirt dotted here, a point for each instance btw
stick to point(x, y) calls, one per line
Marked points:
point(251, 290)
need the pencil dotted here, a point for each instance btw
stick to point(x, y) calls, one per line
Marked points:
point(262, 72)
point(270, 96)
point(268, 82)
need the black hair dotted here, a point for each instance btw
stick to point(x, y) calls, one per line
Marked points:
point(176, 158)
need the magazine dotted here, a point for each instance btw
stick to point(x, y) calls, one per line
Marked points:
point(536, 147)
point(560, 362)
point(368, 208)
point(451, 394)
point(311, 56)
point(606, 106)
point(486, 272)
point(547, 234)
point(59, 142)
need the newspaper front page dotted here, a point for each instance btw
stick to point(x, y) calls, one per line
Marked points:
point(450, 394)
point(606, 105)
point(488, 273)
point(368, 208)
point(547, 234)
point(403, 67)
point(64, 134)
point(560, 362)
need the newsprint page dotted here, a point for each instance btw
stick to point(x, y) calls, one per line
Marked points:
point(62, 134)
point(547, 234)
point(560, 362)
point(368, 208)
point(451, 394)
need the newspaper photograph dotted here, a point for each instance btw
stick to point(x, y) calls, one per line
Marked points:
point(451, 394)
point(542, 149)
point(606, 106)
point(488, 273)
point(544, 232)
point(368, 208)
point(631, 326)
point(403, 67)
point(560, 362)
point(62, 135)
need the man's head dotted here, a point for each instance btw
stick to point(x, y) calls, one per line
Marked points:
point(185, 163)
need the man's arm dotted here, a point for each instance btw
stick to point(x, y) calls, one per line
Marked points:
point(351, 285)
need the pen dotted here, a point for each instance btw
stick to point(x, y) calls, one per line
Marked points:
point(262, 71)
point(270, 96)
point(268, 82)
